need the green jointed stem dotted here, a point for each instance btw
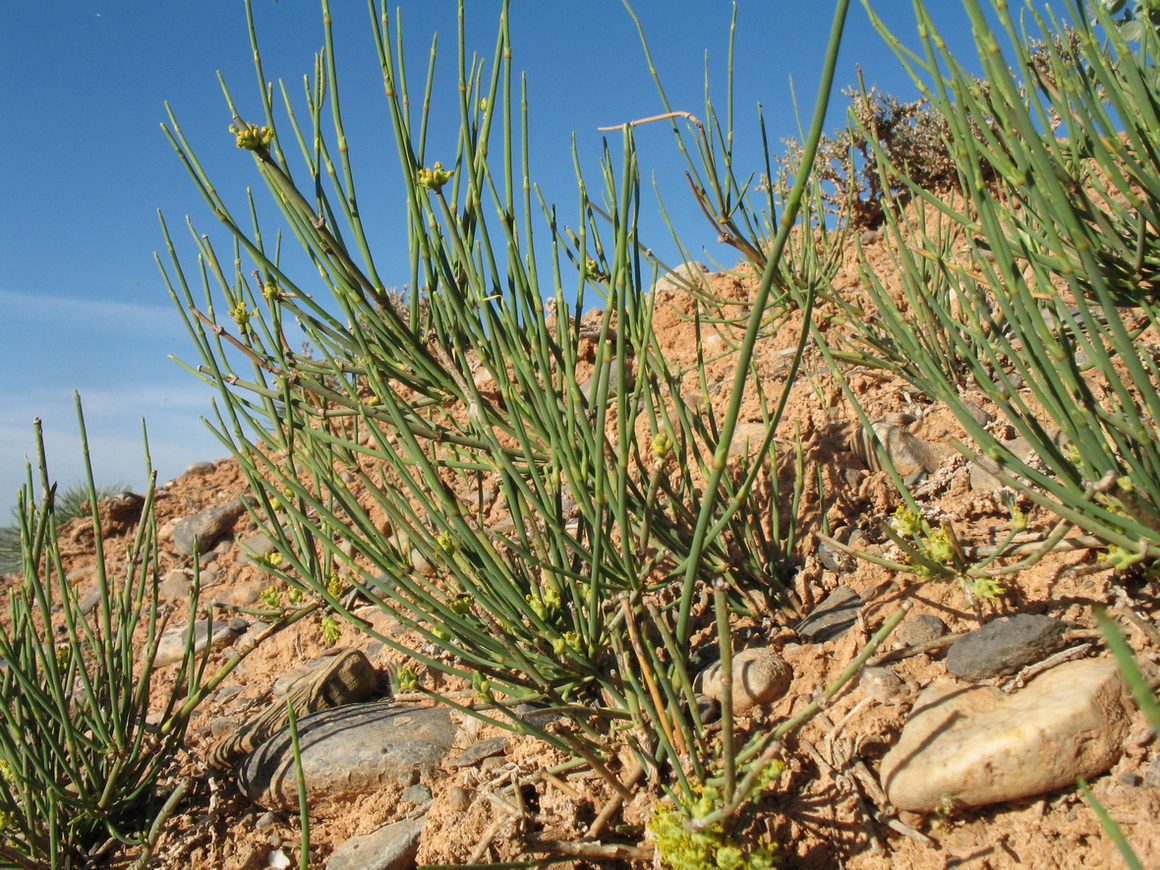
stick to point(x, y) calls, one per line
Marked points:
point(741, 375)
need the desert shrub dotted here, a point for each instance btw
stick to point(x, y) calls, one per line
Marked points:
point(1039, 283)
point(911, 137)
point(376, 460)
point(80, 763)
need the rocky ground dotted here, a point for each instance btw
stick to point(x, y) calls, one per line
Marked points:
point(943, 754)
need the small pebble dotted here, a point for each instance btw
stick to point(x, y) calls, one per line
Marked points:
point(459, 799)
point(832, 618)
point(921, 628)
point(760, 676)
point(416, 794)
point(707, 708)
point(882, 685)
point(1152, 774)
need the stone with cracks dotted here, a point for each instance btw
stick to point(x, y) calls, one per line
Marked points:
point(348, 751)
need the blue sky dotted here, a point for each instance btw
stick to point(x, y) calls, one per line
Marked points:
point(86, 167)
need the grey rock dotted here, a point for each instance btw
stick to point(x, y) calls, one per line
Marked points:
point(415, 794)
point(90, 600)
point(201, 531)
point(921, 628)
point(975, 746)
point(393, 847)
point(226, 692)
point(348, 750)
point(760, 677)
point(869, 237)
point(171, 645)
point(1152, 774)
point(747, 438)
point(480, 750)
point(983, 469)
point(979, 414)
point(833, 617)
point(199, 468)
point(1131, 779)
point(223, 546)
point(1005, 645)
point(708, 709)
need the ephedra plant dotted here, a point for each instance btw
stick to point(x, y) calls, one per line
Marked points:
point(87, 734)
point(1033, 284)
point(381, 459)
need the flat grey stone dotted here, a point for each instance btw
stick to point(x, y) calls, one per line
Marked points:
point(747, 438)
point(201, 531)
point(171, 645)
point(983, 469)
point(393, 847)
point(833, 617)
point(348, 750)
point(974, 746)
point(1005, 645)
point(480, 750)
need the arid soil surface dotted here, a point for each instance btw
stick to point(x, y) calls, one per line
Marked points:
point(824, 812)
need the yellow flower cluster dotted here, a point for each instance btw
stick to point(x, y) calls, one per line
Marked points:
point(435, 178)
point(252, 138)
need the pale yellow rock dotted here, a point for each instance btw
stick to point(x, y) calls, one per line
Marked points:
point(760, 676)
point(976, 746)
